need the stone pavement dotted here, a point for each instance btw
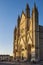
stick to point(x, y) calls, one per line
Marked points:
point(19, 63)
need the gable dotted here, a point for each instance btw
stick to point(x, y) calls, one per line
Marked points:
point(23, 17)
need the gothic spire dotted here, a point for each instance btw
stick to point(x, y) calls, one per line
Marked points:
point(27, 7)
point(15, 30)
point(27, 11)
point(35, 7)
point(18, 20)
point(34, 4)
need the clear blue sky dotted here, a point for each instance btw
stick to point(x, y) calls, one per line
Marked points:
point(9, 11)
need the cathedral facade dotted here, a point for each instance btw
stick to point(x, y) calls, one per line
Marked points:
point(28, 36)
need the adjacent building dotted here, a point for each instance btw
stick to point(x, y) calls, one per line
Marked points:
point(6, 58)
point(28, 36)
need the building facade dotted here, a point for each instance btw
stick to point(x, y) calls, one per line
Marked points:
point(28, 36)
point(6, 58)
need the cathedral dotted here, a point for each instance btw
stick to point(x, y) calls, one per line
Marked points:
point(28, 36)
